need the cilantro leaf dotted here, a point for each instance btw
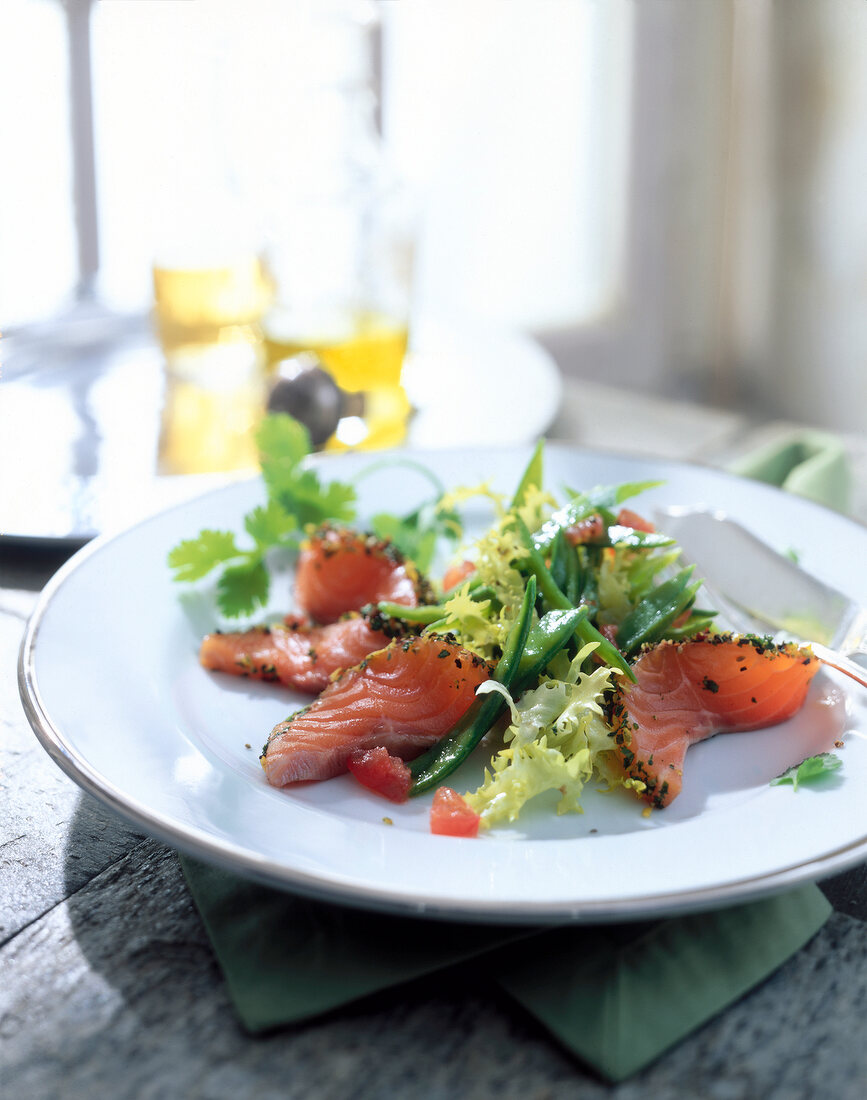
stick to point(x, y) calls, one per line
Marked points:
point(416, 535)
point(243, 588)
point(283, 443)
point(282, 439)
point(808, 769)
point(194, 558)
point(311, 501)
point(412, 543)
point(270, 525)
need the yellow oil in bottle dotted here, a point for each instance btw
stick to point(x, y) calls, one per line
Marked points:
point(208, 322)
point(203, 307)
point(363, 351)
point(207, 426)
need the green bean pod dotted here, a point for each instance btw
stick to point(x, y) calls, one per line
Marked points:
point(657, 611)
point(550, 634)
point(432, 767)
point(585, 631)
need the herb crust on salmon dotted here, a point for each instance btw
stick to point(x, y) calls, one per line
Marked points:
point(688, 691)
point(404, 698)
point(342, 570)
point(296, 653)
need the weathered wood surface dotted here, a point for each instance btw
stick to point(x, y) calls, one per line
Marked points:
point(108, 986)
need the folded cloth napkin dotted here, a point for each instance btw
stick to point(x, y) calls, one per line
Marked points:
point(809, 463)
point(618, 996)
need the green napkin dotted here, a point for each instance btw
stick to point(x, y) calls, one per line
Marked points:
point(287, 958)
point(619, 999)
point(618, 996)
point(809, 463)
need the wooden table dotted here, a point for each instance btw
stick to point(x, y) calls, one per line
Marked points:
point(108, 986)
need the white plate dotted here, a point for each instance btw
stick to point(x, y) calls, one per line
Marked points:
point(111, 684)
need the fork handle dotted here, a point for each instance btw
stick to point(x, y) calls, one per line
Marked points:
point(855, 639)
point(837, 660)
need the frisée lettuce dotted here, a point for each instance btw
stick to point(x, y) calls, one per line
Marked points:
point(557, 740)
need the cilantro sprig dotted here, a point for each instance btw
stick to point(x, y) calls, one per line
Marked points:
point(283, 444)
point(297, 499)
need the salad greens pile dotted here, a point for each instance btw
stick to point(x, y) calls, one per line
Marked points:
point(545, 589)
point(563, 578)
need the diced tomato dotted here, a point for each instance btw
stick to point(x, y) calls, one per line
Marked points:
point(451, 816)
point(627, 518)
point(609, 632)
point(457, 573)
point(586, 530)
point(381, 773)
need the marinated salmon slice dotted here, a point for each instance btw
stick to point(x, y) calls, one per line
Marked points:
point(688, 691)
point(404, 698)
point(297, 654)
point(341, 570)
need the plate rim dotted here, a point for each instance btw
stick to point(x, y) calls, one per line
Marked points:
point(198, 843)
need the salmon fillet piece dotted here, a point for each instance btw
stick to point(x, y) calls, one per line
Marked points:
point(341, 570)
point(297, 653)
point(687, 691)
point(404, 698)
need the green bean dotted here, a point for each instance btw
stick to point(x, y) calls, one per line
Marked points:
point(557, 600)
point(429, 769)
point(532, 475)
point(545, 640)
point(428, 613)
point(432, 612)
point(561, 552)
point(649, 619)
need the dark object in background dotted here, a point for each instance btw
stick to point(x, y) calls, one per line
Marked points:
point(305, 390)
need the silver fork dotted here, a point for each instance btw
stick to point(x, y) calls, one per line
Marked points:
point(762, 592)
